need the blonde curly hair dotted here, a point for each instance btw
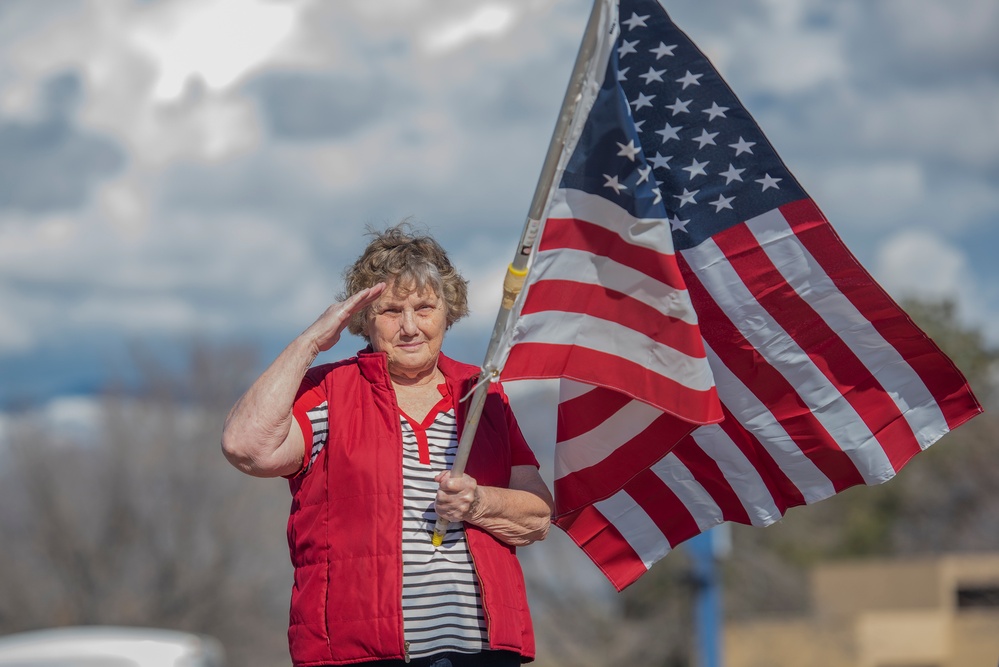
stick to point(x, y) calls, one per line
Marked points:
point(402, 255)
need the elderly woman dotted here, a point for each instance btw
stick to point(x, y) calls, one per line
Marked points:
point(367, 443)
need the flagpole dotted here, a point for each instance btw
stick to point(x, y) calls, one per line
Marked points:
point(516, 272)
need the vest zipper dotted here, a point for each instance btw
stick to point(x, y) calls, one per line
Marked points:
point(406, 644)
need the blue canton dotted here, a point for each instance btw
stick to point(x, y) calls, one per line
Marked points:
point(667, 138)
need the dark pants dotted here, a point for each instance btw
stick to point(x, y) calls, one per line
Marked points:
point(483, 659)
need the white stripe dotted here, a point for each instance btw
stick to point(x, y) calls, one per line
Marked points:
point(689, 491)
point(637, 528)
point(825, 401)
point(560, 328)
point(591, 448)
point(579, 266)
point(740, 474)
point(652, 233)
point(757, 419)
point(813, 285)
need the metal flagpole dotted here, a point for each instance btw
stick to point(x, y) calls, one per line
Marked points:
point(516, 273)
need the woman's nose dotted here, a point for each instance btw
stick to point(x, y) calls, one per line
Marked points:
point(408, 323)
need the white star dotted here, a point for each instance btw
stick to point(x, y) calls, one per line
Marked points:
point(629, 151)
point(669, 132)
point(626, 48)
point(679, 107)
point(643, 174)
point(743, 146)
point(769, 181)
point(652, 75)
point(696, 168)
point(706, 138)
point(663, 50)
point(635, 21)
point(643, 100)
point(658, 194)
point(661, 162)
point(689, 79)
point(638, 125)
point(686, 197)
point(622, 74)
point(715, 111)
point(613, 184)
point(732, 174)
point(678, 225)
point(722, 202)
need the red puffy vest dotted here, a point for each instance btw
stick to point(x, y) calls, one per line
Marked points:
point(345, 528)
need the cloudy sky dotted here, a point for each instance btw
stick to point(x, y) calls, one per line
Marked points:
point(173, 169)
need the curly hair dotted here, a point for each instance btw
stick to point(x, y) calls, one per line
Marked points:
point(400, 254)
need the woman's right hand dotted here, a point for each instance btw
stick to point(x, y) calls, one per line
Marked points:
point(325, 331)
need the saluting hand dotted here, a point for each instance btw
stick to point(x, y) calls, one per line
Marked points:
point(325, 331)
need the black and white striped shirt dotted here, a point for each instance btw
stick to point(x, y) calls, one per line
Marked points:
point(441, 602)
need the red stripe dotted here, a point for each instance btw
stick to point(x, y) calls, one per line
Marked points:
point(605, 546)
point(619, 467)
point(783, 491)
point(706, 471)
point(606, 304)
point(585, 236)
point(663, 506)
point(827, 351)
point(770, 388)
point(587, 411)
point(936, 370)
point(542, 360)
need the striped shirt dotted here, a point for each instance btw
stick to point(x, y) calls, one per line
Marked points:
point(441, 602)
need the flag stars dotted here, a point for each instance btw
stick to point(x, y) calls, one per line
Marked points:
point(642, 100)
point(696, 168)
point(658, 196)
point(686, 198)
point(643, 174)
point(769, 181)
point(622, 75)
point(663, 50)
point(635, 21)
point(660, 161)
point(679, 106)
point(706, 138)
point(669, 132)
point(715, 111)
point(678, 225)
point(626, 48)
point(628, 150)
point(732, 174)
point(722, 202)
point(742, 146)
point(653, 75)
point(689, 79)
point(613, 183)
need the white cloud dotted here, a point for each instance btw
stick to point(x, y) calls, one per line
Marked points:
point(490, 20)
point(922, 265)
point(216, 42)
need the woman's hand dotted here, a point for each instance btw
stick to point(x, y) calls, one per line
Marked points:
point(457, 497)
point(517, 515)
point(325, 331)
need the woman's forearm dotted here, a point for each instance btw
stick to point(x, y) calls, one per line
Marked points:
point(515, 517)
point(256, 434)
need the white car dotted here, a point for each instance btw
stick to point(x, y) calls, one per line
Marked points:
point(103, 646)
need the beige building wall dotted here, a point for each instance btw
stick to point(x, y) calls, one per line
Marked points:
point(881, 613)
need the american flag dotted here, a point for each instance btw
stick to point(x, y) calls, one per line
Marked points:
point(722, 355)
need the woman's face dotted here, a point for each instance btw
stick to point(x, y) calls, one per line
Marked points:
point(409, 326)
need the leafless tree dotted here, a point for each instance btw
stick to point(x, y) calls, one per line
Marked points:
point(146, 524)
